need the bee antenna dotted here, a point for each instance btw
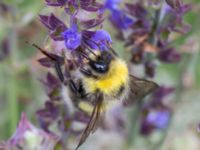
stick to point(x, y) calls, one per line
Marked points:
point(57, 64)
point(84, 55)
point(91, 51)
point(43, 51)
point(113, 51)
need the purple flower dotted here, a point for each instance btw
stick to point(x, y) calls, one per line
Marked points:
point(158, 97)
point(58, 3)
point(162, 92)
point(155, 119)
point(166, 9)
point(72, 38)
point(100, 40)
point(55, 26)
point(175, 10)
point(90, 5)
point(150, 68)
point(29, 137)
point(179, 6)
point(121, 20)
point(112, 4)
point(158, 119)
point(51, 21)
point(155, 113)
point(169, 55)
point(137, 10)
point(4, 49)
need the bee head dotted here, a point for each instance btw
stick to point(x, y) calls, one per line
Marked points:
point(100, 63)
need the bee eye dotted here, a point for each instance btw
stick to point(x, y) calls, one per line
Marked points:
point(100, 66)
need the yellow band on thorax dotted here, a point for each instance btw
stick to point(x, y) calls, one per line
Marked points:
point(111, 82)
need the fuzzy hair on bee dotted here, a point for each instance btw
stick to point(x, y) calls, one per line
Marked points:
point(104, 78)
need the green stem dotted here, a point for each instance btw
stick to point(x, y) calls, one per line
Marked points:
point(134, 124)
point(12, 103)
point(12, 84)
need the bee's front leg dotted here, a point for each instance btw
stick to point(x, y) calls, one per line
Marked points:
point(88, 73)
point(74, 88)
point(69, 82)
point(59, 72)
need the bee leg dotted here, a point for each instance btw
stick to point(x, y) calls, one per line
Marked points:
point(73, 87)
point(59, 72)
point(70, 82)
point(78, 90)
point(87, 73)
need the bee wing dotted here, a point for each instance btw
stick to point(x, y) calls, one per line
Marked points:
point(95, 119)
point(139, 88)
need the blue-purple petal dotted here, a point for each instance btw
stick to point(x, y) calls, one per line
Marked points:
point(72, 38)
point(121, 20)
point(100, 40)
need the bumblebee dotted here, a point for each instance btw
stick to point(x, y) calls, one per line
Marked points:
point(104, 78)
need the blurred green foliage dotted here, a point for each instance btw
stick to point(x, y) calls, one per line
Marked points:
point(19, 86)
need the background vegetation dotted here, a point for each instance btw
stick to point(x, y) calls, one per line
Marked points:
point(21, 90)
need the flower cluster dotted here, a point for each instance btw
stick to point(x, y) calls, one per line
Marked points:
point(79, 33)
point(155, 113)
point(27, 136)
point(146, 30)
